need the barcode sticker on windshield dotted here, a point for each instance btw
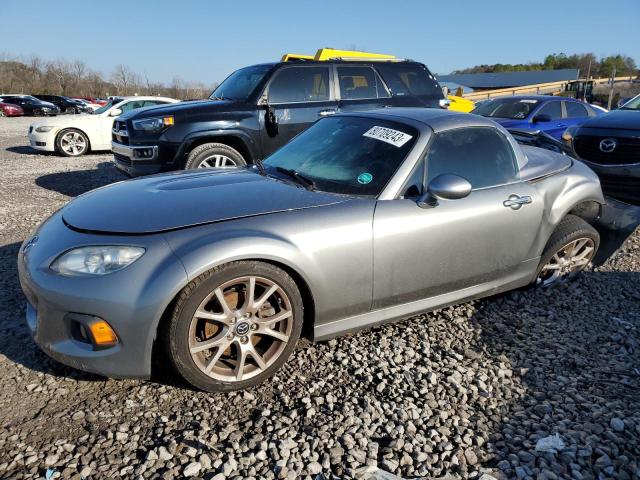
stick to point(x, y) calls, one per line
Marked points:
point(389, 135)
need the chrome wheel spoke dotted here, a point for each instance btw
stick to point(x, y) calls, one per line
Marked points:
point(223, 302)
point(265, 296)
point(215, 358)
point(218, 317)
point(240, 363)
point(257, 358)
point(283, 337)
point(275, 318)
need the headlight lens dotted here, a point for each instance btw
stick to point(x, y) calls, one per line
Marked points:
point(153, 125)
point(44, 129)
point(96, 260)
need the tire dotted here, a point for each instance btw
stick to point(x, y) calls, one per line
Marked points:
point(210, 155)
point(559, 262)
point(280, 314)
point(71, 142)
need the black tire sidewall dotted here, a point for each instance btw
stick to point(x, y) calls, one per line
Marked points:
point(177, 333)
point(569, 229)
point(202, 151)
point(59, 139)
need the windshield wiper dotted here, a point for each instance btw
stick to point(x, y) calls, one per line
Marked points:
point(298, 177)
point(258, 163)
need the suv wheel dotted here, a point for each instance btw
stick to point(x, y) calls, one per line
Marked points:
point(569, 251)
point(214, 155)
point(234, 326)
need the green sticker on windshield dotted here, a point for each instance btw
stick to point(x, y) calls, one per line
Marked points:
point(365, 178)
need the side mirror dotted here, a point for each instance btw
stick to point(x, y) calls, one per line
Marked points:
point(445, 187)
point(115, 112)
point(541, 118)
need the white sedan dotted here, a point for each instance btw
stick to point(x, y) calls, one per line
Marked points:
point(75, 135)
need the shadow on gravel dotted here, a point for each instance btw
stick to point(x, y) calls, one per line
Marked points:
point(26, 150)
point(77, 182)
point(15, 340)
point(567, 360)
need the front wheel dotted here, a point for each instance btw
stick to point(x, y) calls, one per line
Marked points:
point(72, 143)
point(569, 251)
point(234, 326)
point(214, 155)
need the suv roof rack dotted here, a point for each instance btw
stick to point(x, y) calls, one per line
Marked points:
point(324, 54)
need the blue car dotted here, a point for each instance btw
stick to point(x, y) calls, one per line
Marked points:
point(552, 115)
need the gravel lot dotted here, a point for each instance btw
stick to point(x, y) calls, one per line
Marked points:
point(460, 393)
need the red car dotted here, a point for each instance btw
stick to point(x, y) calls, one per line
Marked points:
point(10, 110)
point(94, 100)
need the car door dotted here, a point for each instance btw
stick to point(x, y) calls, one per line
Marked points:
point(557, 124)
point(575, 113)
point(360, 88)
point(485, 239)
point(295, 97)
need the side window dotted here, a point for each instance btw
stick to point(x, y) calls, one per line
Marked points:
point(300, 84)
point(482, 155)
point(409, 79)
point(360, 83)
point(127, 107)
point(152, 103)
point(553, 109)
point(575, 110)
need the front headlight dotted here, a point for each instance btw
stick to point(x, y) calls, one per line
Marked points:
point(44, 129)
point(153, 125)
point(96, 260)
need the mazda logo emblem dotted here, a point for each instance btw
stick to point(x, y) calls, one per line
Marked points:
point(608, 145)
point(242, 328)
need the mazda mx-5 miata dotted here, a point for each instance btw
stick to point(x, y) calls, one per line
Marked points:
point(361, 219)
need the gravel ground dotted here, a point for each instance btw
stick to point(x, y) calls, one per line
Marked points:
point(464, 392)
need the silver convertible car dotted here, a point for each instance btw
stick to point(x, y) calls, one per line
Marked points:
point(362, 219)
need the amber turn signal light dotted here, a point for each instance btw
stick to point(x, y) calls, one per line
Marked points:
point(102, 334)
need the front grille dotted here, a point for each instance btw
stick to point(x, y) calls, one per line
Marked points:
point(122, 159)
point(627, 150)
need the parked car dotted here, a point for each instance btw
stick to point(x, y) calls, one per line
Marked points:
point(65, 104)
point(99, 101)
point(31, 105)
point(258, 109)
point(76, 135)
point(91, 106)
point(10, 110)
point(610, 145)
point(546, 113)
point(223, 267)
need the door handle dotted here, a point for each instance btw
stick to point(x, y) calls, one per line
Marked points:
point(326, 113)
point(516, 201)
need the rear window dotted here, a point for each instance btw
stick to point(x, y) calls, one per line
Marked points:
point(409, 79)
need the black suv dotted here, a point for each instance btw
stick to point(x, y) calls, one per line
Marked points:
point(65, 104)
point(610, 145)
point(258, 109)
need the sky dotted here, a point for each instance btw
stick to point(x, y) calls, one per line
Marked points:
point(206, 40)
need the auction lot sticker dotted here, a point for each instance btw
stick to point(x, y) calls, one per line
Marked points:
point(389, 135)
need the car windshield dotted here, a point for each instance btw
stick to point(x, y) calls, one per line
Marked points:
point(106, 107)
point(633, 104)
point(513, 108)
point(346, 155)
point(241, 83)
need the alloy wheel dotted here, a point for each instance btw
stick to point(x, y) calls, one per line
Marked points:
point(73, 143)
point(241, 328)
point(217, 161)
point(567, 262)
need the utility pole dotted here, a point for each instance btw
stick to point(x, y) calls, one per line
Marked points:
point(613, 76)
point(586, 83)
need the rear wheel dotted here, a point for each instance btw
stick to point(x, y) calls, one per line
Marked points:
point(234, 326)
point(214, 155)
point(72, 143)
point(569, 251)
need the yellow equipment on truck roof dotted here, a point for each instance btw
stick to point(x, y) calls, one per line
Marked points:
point(331, 53)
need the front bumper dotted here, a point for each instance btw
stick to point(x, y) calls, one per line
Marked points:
point(44, 141)
point(619, 181)
point(136, 160)
point(132, 300)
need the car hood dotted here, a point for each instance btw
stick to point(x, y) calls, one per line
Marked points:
point(618, 119)
point(509, 123)
point(190, 108)
point(183, 199)
point(66, 120)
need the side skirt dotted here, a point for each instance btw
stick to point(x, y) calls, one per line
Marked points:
point(523, 276)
